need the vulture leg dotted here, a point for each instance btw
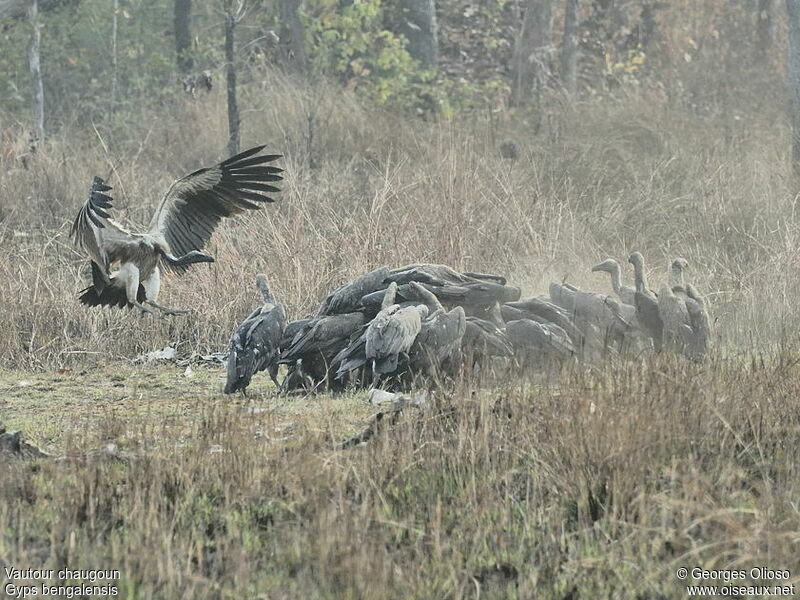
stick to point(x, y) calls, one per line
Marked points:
point(144, 309)
point(376, 376)
point(165, 310)
point(129, 274)
point(273, 374)
point(190, 258)
point(152, 285)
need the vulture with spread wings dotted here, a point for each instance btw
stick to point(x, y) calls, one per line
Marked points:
point(125, 265)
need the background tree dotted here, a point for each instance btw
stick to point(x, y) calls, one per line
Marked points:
point(530, 59)
point(418, 24)
point(292, 36)
point(183, 35)
point(233, 15)
point(569, 47)
point(793, 75)
point(765, 28)
point(37, 88)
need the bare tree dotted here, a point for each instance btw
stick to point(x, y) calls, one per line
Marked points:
point(183, 35)
point(292, 36)
point(114, 30)
point(569, 47)
point(530, 60)
point(233, 15)
point(15, 9)
point(793, 78)
point(418, 25)
point(37, 89)
point(766, 21)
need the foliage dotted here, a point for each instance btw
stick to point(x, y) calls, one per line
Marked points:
point(675, 46)
point(351, 44)
point(76, 58)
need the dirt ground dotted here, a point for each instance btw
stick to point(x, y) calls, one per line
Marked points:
point(130, 405)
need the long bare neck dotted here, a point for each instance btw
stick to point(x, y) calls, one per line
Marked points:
point(263, 287)
point(389, 296)
point(677, 275)
point(616, 278)
point(639, 277)
point(430, 299)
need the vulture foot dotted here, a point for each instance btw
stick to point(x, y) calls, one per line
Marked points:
point(167, 311)
point(144, 309)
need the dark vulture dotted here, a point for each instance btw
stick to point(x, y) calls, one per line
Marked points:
point(438, 344)
point(312, 350)
point(255, 345)
point(347, 297)
point(543, 339)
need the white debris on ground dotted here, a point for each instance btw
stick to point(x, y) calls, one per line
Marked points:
point(168, 353)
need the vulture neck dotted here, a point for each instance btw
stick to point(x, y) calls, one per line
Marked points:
point(677, 275)
point(616, 278)
point(640, 278)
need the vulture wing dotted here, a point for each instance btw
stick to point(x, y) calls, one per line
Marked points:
point(195, 204)
point(96, 232)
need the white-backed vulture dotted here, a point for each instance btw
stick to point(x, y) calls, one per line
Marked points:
point(126, 266)
point(611, 266)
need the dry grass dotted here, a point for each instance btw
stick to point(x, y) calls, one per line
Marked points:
point(605, 179)
point(597, 487)
point(599, 490)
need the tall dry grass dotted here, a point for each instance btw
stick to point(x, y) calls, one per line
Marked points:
point(599, 487)
point(601, 490)
point(365, 187)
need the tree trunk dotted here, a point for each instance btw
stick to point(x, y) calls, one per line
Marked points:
point(418, 25)
point(230, 71)
point(569, 48)
point(13, 9)
point(37, 89)
point(765, 28)
point(183, 35)
point(793, 78)
point(530, 60)
point(114, 54)
point(292, 36)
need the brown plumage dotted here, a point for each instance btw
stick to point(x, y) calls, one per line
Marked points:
point(125, 265)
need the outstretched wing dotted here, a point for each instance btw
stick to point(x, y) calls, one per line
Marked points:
point(195, 204)
point(95, 231)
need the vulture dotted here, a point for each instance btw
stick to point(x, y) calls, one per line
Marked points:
point(542, 311)
point(625, 293)
point(439, 340)
point(255, 345)
point(382, 340)
point(677, 328)
point(126, 266)
point(639, 275)
point(698, 319)
point(676, 272)
point(316, 343)
point(391, 333)
point(543, 339)
point(676, 277)
point(483, 338)
point(646, 303)
point(347, 298)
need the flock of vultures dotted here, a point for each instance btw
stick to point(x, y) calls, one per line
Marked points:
point(389, 327)
point(425, 323)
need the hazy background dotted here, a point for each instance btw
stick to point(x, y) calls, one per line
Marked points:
point(672, 138)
